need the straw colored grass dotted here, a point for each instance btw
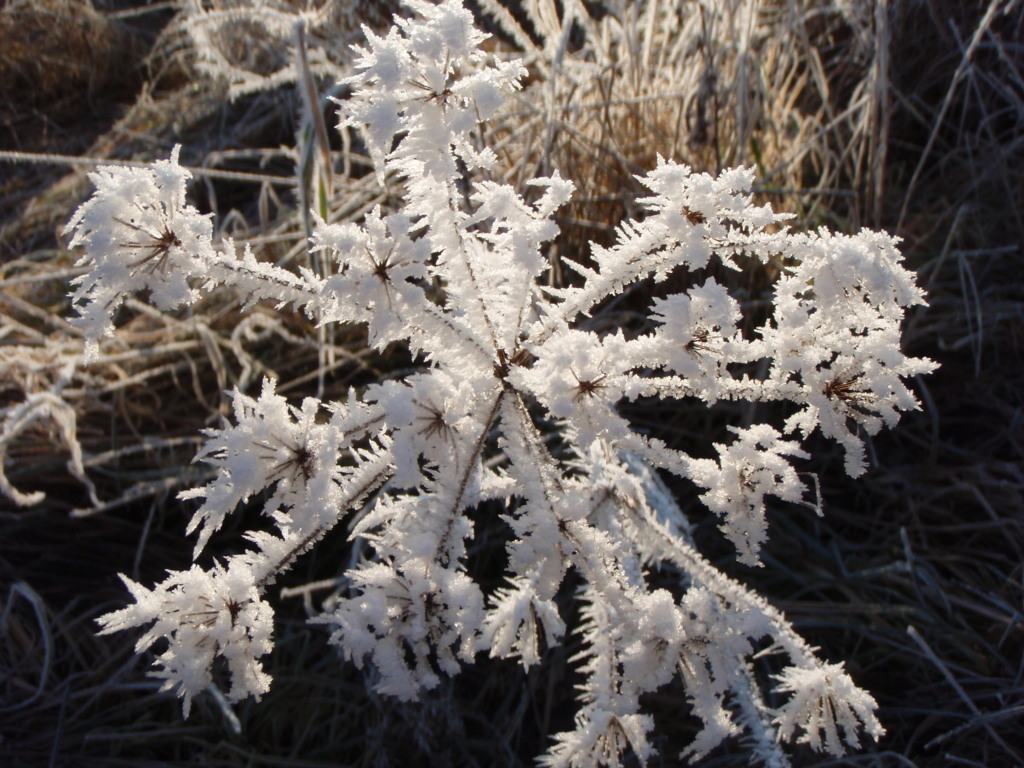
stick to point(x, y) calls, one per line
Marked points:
point(796, 89)
point(57, 54)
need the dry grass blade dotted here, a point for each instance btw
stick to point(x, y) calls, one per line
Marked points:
point(87, 162)
point(994, 7)
point(15, 635)
point(980, 719)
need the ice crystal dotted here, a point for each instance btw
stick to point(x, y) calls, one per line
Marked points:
point(457, 273)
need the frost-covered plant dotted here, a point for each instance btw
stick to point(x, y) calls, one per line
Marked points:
point(457, 275)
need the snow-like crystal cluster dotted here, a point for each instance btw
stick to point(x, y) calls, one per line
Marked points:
point(457, 273)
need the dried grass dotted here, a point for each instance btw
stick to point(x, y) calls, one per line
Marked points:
point(796, 89)
point(61, 51)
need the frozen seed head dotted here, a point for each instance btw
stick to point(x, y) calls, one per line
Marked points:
point(137, 233)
